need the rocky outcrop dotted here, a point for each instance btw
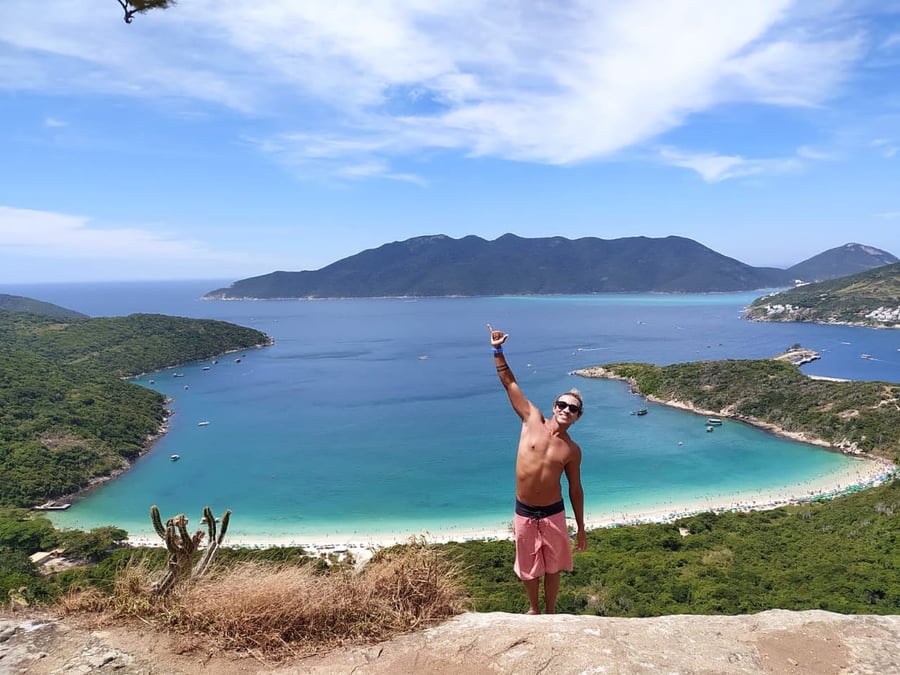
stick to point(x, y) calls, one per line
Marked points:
point(772, 642)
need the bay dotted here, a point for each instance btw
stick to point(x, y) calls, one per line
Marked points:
point(385, 415)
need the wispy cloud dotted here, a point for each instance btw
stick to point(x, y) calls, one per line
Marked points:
point(715, 168)
point(31, 232)
point(51, 238)
point(52, 122)
point(886, 146)
point(888, 215)
point(557, 83)
point(891, 41)
point(809, 152)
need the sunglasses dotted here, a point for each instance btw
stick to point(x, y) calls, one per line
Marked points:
point(571, 407)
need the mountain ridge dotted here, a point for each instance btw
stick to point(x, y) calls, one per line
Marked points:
point(440, 266)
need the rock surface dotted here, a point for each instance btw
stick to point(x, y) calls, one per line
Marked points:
point(774, 642)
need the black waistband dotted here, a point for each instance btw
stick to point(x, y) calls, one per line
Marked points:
point(538, 512)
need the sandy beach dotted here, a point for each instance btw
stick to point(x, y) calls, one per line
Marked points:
point(864, 472)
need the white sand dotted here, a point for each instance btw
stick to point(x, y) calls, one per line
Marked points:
point(863, 473)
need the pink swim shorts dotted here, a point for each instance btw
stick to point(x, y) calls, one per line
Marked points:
point(542, 546)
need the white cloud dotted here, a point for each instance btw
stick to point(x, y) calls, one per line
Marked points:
point(793, 73)
point(52, 122)
point(360, 83)
point(888, 215)
point(714, 168)
point(45, 246)
point(887, 147)
point(808, 152)
point(30, 232)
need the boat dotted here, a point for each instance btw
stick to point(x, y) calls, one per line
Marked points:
point(177, 374)
point(53, 506)
point(152, 381)
point(709, 427)
point(205, 367)
point(865, 356)
point(642, 411)
point(714, 422)
point(202, 423)
point(174, 458)
point(424, 357)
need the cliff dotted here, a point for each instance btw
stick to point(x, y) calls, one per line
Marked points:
point(772, 642)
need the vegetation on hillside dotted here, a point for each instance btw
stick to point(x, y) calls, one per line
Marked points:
point(853, 299)
point(18, 303)
point(66, 416)
point(864, 415)
point(471, 266)
point(841, 555)
point(66, 413)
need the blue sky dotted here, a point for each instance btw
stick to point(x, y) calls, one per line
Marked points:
point(226, 139)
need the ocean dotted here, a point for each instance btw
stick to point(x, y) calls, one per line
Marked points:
point(386, 416)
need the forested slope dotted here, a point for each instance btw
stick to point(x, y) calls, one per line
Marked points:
point(66, 414)
point(864, 415)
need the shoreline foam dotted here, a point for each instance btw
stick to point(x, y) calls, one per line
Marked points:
point(866, 473)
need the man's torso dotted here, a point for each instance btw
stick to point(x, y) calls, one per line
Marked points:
point(540, 462)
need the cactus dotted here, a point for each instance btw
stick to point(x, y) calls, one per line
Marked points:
point(183, 546)
point(214, 541)
point(17, 597)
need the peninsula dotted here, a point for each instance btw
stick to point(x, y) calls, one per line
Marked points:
point(861, 418)
point(870, 298)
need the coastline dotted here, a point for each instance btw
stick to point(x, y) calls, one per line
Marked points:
point(151, 438)
point(809, 438)
point(864, 473)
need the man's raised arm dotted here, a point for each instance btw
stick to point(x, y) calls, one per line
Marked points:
point(520, 404)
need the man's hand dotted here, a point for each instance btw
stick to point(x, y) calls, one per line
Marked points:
point(581, 541)
point(498, 337)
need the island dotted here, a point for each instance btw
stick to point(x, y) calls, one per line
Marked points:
point(440, 266)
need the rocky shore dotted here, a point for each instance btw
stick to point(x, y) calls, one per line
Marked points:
point(800, 436)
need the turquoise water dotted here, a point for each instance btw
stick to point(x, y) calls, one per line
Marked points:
point(343, 426)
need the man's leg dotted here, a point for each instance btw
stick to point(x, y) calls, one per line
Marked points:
point(532, 588)
point(551, 590)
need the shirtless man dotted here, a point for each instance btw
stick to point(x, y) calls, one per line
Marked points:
point(545, 451)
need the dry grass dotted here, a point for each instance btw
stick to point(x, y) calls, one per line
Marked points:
point(280, 610)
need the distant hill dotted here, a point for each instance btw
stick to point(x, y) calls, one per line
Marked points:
point(439, 265)
point(840, 262)
point(510, 265)
point(870, 298)
point(17, 303)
